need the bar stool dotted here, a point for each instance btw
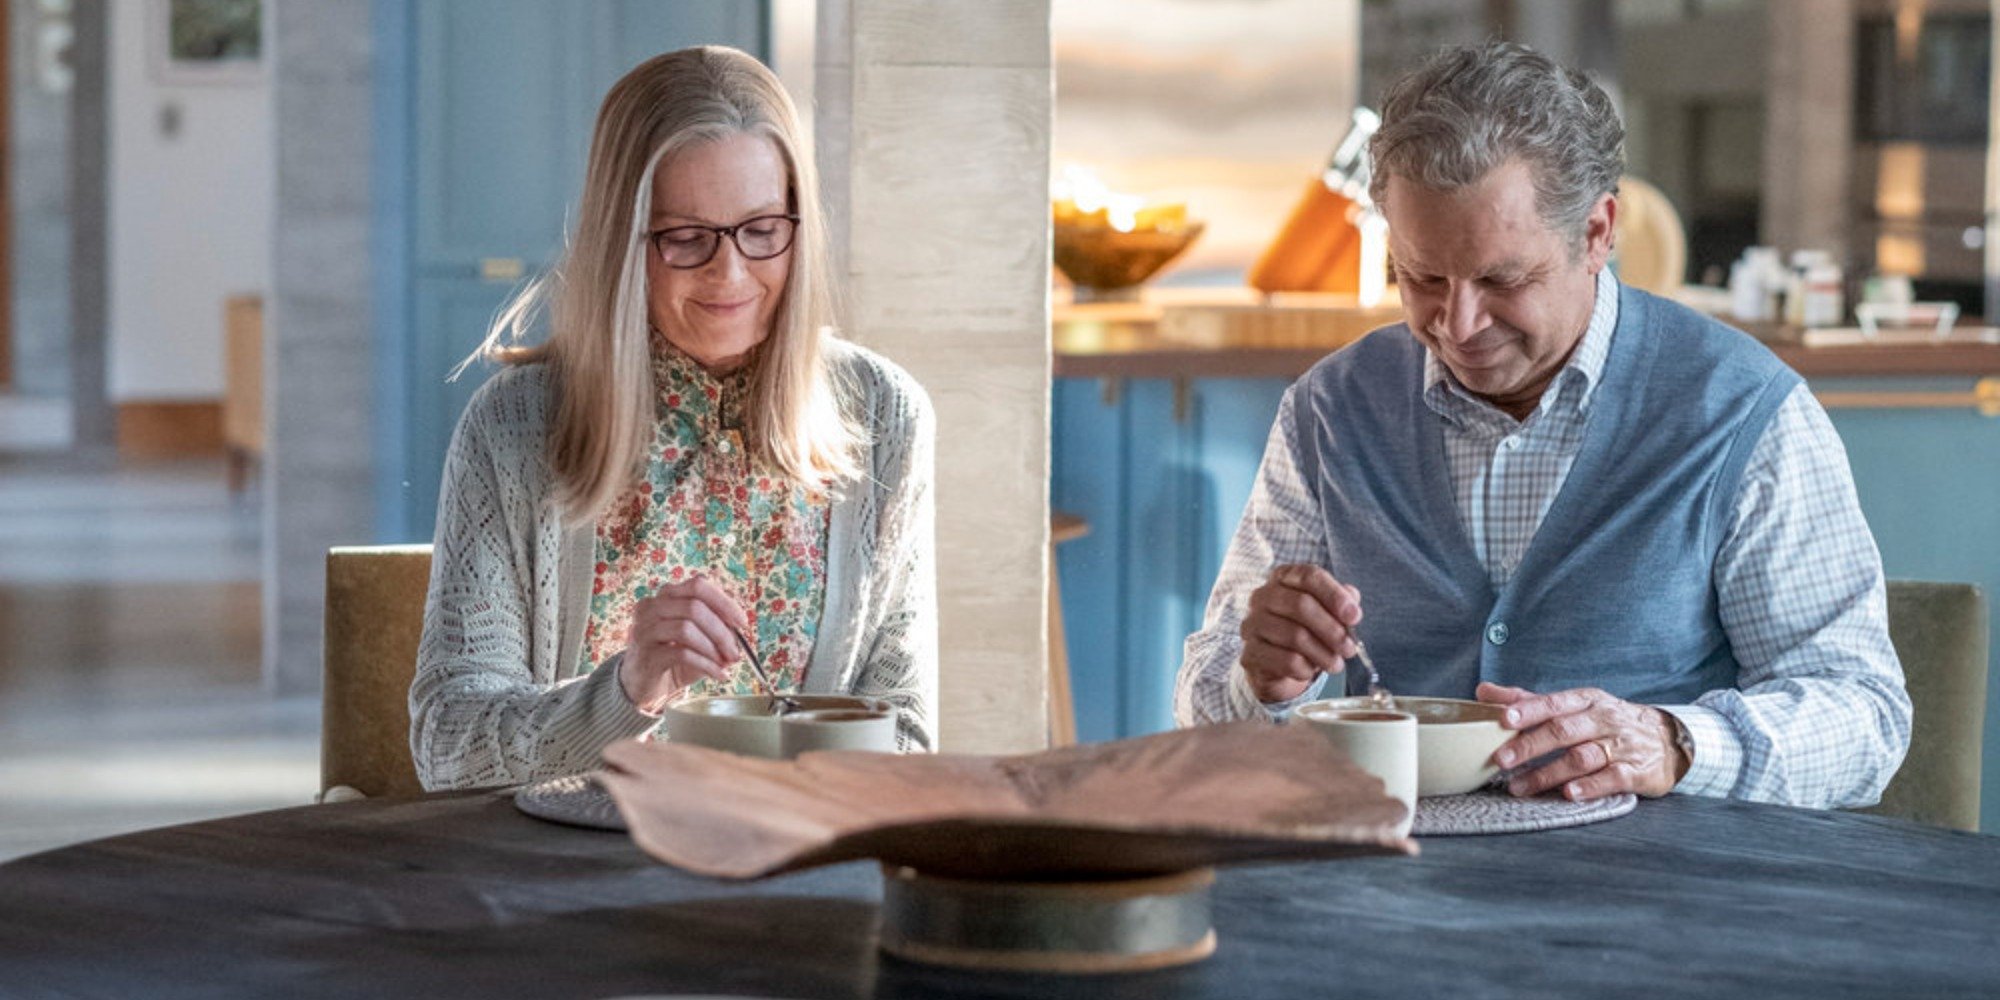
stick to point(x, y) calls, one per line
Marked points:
point(1062, 708)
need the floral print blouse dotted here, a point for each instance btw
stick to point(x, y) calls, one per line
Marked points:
point(703, 509)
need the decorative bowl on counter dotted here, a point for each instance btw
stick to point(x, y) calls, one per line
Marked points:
point(1107, 263)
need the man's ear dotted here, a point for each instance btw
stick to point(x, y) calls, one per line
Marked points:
point(1600, 230)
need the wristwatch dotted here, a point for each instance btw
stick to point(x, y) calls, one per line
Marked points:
point(1684, 742)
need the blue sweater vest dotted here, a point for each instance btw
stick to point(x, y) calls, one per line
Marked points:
point(1616, 590)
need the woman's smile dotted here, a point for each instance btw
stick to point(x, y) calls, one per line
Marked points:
point(727, 306)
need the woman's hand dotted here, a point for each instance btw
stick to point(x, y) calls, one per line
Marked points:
point(679, 636)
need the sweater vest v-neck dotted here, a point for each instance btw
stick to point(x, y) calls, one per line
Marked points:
point(1616, 589)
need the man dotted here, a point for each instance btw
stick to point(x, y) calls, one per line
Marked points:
point(1631, 525)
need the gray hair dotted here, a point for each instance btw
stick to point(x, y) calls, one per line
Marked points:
point(1471, 108)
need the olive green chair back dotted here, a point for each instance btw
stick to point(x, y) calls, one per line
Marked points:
point(1940, 634)
point(374, 617)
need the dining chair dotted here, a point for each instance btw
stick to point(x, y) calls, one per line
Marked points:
point(374, 617)
point(1651, 240)
point(1939, 630)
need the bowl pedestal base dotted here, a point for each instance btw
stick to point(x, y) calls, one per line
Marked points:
point(1113, 925)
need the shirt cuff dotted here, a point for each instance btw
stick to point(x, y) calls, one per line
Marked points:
point(1247, 704)
point(1718, 754)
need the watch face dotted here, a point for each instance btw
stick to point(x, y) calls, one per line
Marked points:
point(1683, 739)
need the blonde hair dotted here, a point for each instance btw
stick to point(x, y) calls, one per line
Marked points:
point(599, 349)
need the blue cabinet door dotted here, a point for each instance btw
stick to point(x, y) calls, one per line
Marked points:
point(1085, 459)
point(1161, 473)
point(1233, 419)
point(500, 118)
point(483, 117)
point(1164, 494)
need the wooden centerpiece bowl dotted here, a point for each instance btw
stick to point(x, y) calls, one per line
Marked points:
point(1108, 263)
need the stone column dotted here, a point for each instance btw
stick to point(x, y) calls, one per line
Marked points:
point(319, 348)
point(93, 425)
point(933, 128)
point(1809, 124)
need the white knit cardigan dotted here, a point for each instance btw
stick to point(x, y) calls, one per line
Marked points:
point(497, 699)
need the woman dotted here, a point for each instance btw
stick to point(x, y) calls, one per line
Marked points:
point(688, 466)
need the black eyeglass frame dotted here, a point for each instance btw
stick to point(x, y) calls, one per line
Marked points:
point(722, 232)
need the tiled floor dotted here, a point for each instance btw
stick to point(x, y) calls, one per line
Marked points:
point(129, 623)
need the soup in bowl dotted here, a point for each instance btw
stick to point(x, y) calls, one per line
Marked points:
point(748, 724)
point(1455, 740)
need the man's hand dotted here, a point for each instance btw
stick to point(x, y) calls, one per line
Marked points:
point(1296, 629)
point(1606, 745)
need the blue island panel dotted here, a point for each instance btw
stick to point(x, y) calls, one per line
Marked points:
point(1929, 482)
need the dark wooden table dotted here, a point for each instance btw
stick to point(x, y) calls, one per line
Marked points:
point(460, 896)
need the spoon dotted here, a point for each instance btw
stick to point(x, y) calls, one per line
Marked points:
point(784, 702)
point(1378, 696)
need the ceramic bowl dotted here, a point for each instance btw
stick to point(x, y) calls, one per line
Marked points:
point(836, 729)
point(746, 724)
point(1455, 740)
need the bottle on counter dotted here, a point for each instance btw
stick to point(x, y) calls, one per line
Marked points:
point(1795, 287)
point(1757, 286)
point(1820, 289)
point(1746, 291)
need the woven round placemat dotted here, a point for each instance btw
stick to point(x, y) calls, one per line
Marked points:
point(577, 800)
point(1491, 810)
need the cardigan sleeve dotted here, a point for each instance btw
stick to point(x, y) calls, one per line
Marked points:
point(481, 714)
point(900, 657)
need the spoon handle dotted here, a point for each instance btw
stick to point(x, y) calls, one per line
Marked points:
point(1361, 653)
point(757, 666)
point(1377, 694)
point(756, 663)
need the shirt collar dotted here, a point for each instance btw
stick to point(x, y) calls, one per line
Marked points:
point(713, 402)
point(1577, 381)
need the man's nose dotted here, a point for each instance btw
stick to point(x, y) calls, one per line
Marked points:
point(1464, 313)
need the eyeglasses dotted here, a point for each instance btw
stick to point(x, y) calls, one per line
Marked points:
point(760, 238)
